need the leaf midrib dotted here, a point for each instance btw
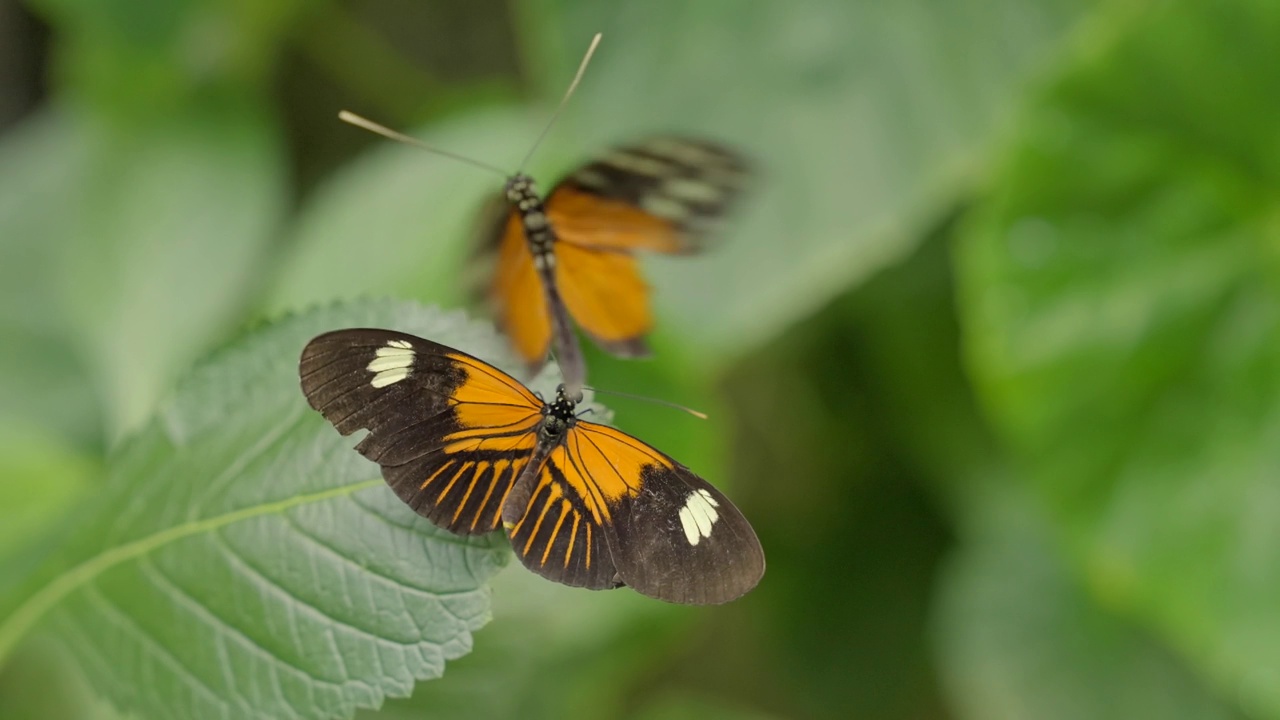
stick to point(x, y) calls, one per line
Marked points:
point(34, 608)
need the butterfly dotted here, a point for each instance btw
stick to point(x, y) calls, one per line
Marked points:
point(471, 449)
point(571, 256)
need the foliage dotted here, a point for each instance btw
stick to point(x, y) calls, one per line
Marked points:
point(990, 356)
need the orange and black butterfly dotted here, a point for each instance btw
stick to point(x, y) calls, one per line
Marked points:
point(572, 254)
point(470, 448)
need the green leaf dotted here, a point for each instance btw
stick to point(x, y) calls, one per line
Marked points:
point(40, 477)
point(554, 652)
point(167, 240)
point(867, 121)
point(37, 686)
point(242, 560)
point(43, 382)
point(131, 60)
point(1121, 297)
point(1017, 638)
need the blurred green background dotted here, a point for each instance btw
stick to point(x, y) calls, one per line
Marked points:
point(992, 354)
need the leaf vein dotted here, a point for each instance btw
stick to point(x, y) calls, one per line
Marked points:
point(13, 628)
point(130, 627)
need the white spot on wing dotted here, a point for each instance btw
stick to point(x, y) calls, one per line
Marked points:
point(389, 377)
point(664, 207)
point(589, 178)
point(391, 364)
point(694, 191)
point(638, 164)
point(698, 516)
point(684, 152)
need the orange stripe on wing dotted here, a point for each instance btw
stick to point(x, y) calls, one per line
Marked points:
point(555, 531)
point(499, 468)
point(573, 535)
point(552, 493)
point(471, 486)
point(435, 474)
point(456, 475)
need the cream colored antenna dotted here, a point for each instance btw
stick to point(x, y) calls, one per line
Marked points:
point(582, 68)
point(373, 127)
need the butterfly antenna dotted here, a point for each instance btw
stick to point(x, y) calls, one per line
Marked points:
point(347, 116)
point(696, 413)
point(582, 67)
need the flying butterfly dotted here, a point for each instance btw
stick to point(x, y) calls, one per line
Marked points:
point(570, 255)
point(471, 449)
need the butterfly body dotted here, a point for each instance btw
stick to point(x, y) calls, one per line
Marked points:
point(545, 308)
point(522, 195)
point(471, 449)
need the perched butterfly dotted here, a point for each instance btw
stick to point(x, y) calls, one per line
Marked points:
point(571, 256)
point(470, 448)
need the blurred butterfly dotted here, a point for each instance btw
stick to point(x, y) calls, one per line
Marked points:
point(570, 256)
point(470, 448)
point(573, 253)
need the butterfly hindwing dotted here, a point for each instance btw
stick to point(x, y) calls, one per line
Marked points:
point(519, 300)
point(450, 433)
point(558, 538)
point(669, 533)
point(606, 296)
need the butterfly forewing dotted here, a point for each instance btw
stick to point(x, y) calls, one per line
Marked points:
point(450, 433)
point(664, 194)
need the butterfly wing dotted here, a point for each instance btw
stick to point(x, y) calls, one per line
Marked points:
point(609, 509)
point(661, 195)
point(559, 537)
point(518, 298)
point(450, 432)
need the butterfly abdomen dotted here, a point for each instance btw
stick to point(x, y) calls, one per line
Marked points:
point(523, 196)
point(524, 199)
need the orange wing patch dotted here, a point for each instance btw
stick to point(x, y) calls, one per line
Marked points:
point(518, 297)
point(591, 221)
point(605, 294)
point(495, 412)
point(603, 465)
point(490, 398)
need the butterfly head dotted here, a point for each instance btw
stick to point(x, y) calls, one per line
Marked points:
point(521, 192)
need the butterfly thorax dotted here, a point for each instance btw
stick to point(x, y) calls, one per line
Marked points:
point(523, 196)
point(557, 419)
